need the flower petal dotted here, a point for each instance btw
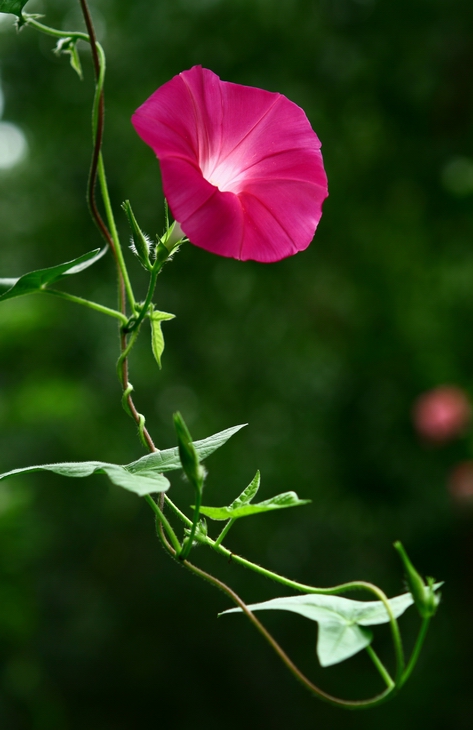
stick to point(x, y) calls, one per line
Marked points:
point(242, 169)
point(281, 219)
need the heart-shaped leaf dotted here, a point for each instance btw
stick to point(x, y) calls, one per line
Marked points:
point(37, 280)
point(146, 482)
point(341, 621)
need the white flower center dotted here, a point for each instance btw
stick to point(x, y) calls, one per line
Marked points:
point(226, 175)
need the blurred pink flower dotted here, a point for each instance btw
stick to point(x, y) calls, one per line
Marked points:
point(442, 414)
point(241, 167)
point(460, 482)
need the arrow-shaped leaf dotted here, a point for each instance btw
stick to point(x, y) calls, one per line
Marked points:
point(146, 482)
point(237, 509)
point(37, 280)
point(157, 339)
point(143, 476)
point(248, 493)
point(341, 621)
point(168, 460)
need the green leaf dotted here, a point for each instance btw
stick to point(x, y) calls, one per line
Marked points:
point(341, 621)
point(12, 6)
point(237, 509)
point(143, 476)
point(157, 339)
point(68, 46)
point(37, 280)
point(247, 495)
point(168, 460)
point(146, 482)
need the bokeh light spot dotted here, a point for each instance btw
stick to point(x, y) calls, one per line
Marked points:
point(13, 146)
point(457, 176)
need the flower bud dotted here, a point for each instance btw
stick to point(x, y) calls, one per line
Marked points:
point(442, 414)
point(425, 599)
point(187, 454)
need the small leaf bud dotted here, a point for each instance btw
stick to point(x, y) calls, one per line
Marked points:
point(188, 455)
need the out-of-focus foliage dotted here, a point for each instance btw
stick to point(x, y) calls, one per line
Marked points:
point(323, 354)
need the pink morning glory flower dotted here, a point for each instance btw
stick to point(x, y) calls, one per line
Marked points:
point(241, 167)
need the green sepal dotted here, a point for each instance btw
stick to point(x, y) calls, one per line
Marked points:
point(238, 509)
point(141, 483)
point(68, 46)
point(37, 280)
point(168, 459)
point(342, 621)
point(141, 243)
point(200, 534)
point(157, 339)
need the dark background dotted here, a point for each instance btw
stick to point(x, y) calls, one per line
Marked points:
point(322, 354)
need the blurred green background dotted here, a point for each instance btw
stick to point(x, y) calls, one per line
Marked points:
point(322, 354)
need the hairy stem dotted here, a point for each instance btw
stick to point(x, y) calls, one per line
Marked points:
point(162, 519)
point(380, 667)
point(113, 229)
point(74, 35)
point(224, 533)
point(188, 543)
point(144, 308)
point(415, 652)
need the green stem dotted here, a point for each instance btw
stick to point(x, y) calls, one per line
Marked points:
point(87, 303)
point(145, 306)
point(161, 517)
point(53, 32)
point(113, 231)
point(415, 652)
point(224, 533)
point(124, 355)
point(187, 546)
point(177, 511)
point(103, 180)
point(380, 667)
point(98, 95)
